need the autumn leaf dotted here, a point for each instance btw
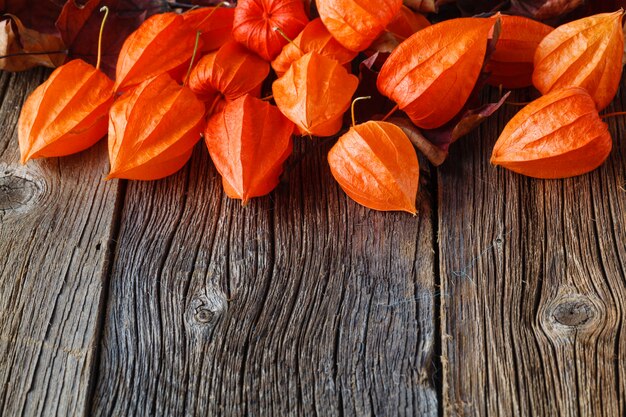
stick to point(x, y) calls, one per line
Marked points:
point(37, 15)
point(79, 26)
point(422, 6)
point(376, 165)
point(544, 9)
point(558, 135)
point(24, 48)
point(378, 104)
point(462, 124)
point(249, 140)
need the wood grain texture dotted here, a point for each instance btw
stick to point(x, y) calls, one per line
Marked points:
point(56, 220)
point(534, 285)
point(301, 303)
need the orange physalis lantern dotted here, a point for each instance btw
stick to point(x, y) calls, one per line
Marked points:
point(214, 23)
point(406, 22)
point(511, 64)
point(584, 53)
point(376, 165)
point(249, 140)
point(356, 24)
point(556, 136)
point(255, 21)
point(314, 93)
point(229, 73)
point(152, 129)
point(161, 44)
point(431, 74)
point(314, 37)
point(67, 113)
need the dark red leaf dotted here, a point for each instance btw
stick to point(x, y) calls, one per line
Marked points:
point(38, 15)
point(545, 9)
point(378, 104)
point(79, 25)
point(462, 124)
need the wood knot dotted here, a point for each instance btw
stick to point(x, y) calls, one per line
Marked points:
point(572, 312)
point(16, 191)
point(205, 309)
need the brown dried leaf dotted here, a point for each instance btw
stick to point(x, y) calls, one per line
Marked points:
point(544, 9)
point(422, 6)
point(25, 46)
point(433, 153)
point(38, 15)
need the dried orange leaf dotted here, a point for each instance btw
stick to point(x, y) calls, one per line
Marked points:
point(314, 93)
point(255, 21)
point(556, 136)
point(511, 64)
point(314, 37)
point(376, 165)
point(160, 44)
point(248, 141)
point(152, 129)
point(67, 113)
point(584, 53)
point(229, 73)
point(431, 74)
point(214, 24)
point(15, 38)
point(356, 24)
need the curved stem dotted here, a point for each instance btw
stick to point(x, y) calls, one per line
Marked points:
point(217, 6)
point(352, 107)
point(193, 57)
point(284, 35)
point(61, 51)
point(617, 113)
point(104, 19)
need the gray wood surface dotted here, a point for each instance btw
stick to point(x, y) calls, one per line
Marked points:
point(56, 220)
point(534, 279)
point(504, 296)
point(300, 303)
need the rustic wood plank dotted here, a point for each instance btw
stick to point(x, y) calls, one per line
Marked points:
point(56, 220)
point(300, 303)
point(534, 285)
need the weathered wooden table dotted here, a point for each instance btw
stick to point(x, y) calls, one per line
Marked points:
point(504, 296)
